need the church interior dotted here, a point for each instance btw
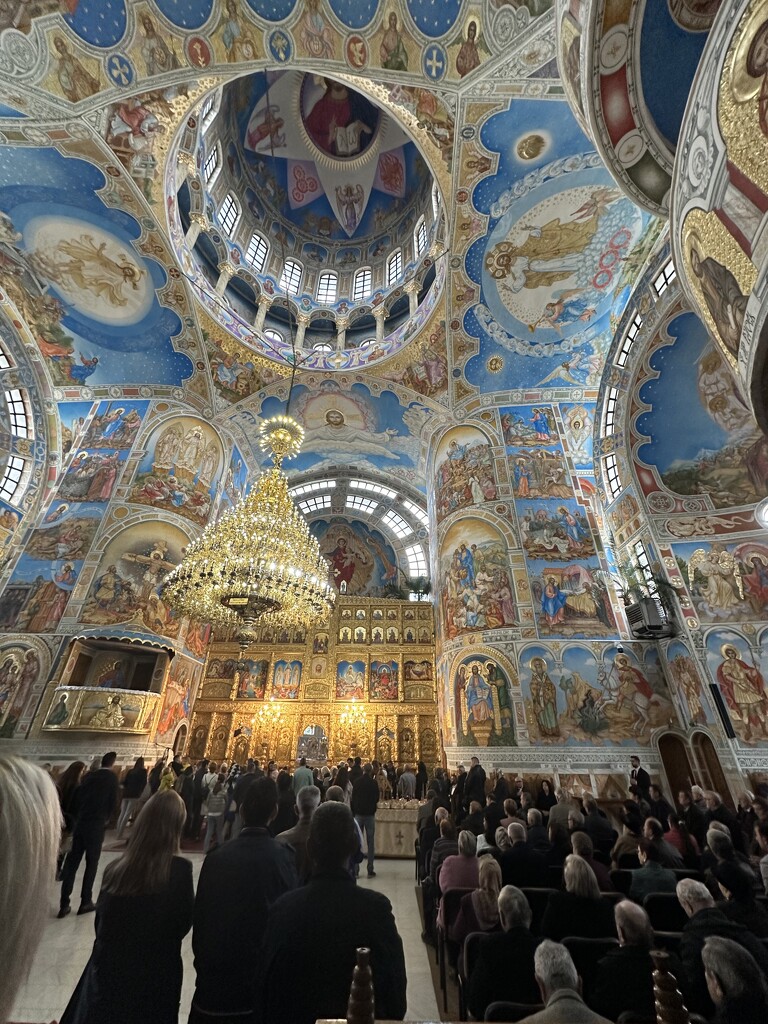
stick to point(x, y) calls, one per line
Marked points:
point(505, 265)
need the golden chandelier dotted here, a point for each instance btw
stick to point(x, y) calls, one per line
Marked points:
point(259, 562)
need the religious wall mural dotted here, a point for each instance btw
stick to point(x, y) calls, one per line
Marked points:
point(384, 676)
point(350, 680)
point(180, 689)
point(126, 580)
point(738, 669)
point(571, 600)
point(728, 582)
point(252, 682)
point(684, 670)
point(475, 590)
point(115, 425)
point(286, 680)
point(22, 675)
point(576, 697)
point(481, 702)
point(181, 469)
point(362, 560)
point(464, 471)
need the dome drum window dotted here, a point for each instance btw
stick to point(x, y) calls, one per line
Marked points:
point(11, 480)
point(211, 165)
point(394, 267)
point(229, 211)
point(327, 287)
point(290, 279)
point(256, 253)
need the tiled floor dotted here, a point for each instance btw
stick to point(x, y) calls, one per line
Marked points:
point(66, 947)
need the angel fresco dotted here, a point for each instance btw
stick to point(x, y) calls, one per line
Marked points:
point(715, 579)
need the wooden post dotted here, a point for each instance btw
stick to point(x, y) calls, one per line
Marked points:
point(360, 1006)
point(670, 1008)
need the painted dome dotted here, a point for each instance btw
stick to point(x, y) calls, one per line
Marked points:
point(320, 211)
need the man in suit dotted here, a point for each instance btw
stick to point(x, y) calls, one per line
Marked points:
point(474, 820)
point(457, 797)
point(704, 919)
point(427, 839)
point(307, 802)
point(597, 826)
point(669, 855)
point(474, 787)
point(334, 914)
point(624, 976)
point(521, 865)
point(692, 816)
point(95, 801)
point(559, 986)
point(660, 807)
point(538, 837)
point(651, 876)
point(639, 778)
point(238, 883)
point(491, 979)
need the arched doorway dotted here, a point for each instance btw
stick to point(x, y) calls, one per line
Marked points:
point(677, 764)
point(709, 767)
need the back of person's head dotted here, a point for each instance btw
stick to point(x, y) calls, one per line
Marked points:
point(561, 795)
point(590, 805)
point(697, 792)
point(693, 896)
point(582, 845)
point(30, 830)
point(441, 814)
point(516, 832)
point(514, 909)
point(653, 825)
point(575, 819)
point(579, 878)
point(534, 818)
point(509, 807)
point(139, 762)
point(145, 867)
point(259, 804)
point(108, 759)
point(335, 794)
point(712, 797)
point(720, 844)
point(502, 839)
point(732, 973)
point(467, 843)
point(302, 762)
point(332, 837)
point(475, 806)
point(489, 875)
point(633, 925)
point(736, 882)
point(554, 968)
point(284, 781)
point(307, 801)
point(649, 850)
point(368, 769)
point(447, 829)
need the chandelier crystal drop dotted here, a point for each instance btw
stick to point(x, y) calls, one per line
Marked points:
point(259, 562)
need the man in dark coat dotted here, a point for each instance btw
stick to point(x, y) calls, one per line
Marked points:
point(474, 820)
point(365, 800)
point(502, 966)
point(660, 808)
point(521, 864)
point(624, 976)
point(334, 914)
point(704, 919)
point(474, 787)
point(238, 883)
point(639, 777)
point(196, 818)
point(457, 797)
point(717, 811)
point(307, 802)
point(692, 817)
point(597, 826)
point(94, 803)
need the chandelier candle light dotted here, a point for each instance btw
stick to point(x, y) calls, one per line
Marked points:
point(259, 562)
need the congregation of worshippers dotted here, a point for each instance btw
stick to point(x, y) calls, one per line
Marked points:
point(534, 905)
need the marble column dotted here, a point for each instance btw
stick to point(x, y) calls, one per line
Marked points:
point(265, 301)
point(302, 322)
point(226, 272)
point(379, 315)
point(342, 323)
point(197, 223)
point(412, 288)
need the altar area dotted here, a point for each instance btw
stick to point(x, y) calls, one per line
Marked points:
point(396, 830)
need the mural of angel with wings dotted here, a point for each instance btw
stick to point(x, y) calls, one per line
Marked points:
point(715, 577)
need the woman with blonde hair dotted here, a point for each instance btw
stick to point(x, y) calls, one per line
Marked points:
point(579, 910)
point(30, 830)
point(143, 913)
point(479, 910)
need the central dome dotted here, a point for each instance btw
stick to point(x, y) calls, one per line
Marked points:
point(322, 213)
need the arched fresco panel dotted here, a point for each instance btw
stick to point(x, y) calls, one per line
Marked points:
point(464, 472)
point(124, 588)
point(475, 585)
point(688, 688)
point(480, 700)
point(737, 668)
point(362, 560)
point(24, 668)
point(181, 469)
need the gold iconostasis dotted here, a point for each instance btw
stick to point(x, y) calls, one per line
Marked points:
point(361, 684)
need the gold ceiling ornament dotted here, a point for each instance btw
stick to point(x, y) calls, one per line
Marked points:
point(259, 562)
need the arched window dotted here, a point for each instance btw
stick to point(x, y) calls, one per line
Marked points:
point(361, 288)
point(229, 211)
point(327, 287)
point(256, 253)
point(211, 164)
point(322, 346)
point(208, 110)
point(290, 279)
point(394, 266)
point(17, 411)
point(420, 237)
point(275, 336)
point(11, 480)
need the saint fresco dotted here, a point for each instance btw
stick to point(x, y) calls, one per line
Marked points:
point(464, 471)
point(482, 702)
point(739, 673)
point(475, 586)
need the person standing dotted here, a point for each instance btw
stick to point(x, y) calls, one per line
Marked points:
point(307, 801)
point(133, 786)
point(474, 787)
point(334, 914)
point(302, 776)
point(406, 786)
point(639, 777)
point(365, 799)
point(238, 883)
point(94, 804)
point(196, 820)
point(144, 911)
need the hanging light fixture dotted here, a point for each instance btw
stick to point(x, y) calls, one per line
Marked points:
point(259, 562)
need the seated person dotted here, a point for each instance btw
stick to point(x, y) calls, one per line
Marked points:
point(460, 871)
point(578, 910)
point(559, 985)
point(479, 910)
point(631, 834)
point(521, 864)
point(650, 876)
point(474, 820)
point(735, 983)
point(597, 826)
point(538, 838)
point(624, 977)
point(669, 857)
point(739, 904)
point(491, 978)
point(582, 847)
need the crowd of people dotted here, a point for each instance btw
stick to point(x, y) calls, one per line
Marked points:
point(512, 882)
point(511, 876)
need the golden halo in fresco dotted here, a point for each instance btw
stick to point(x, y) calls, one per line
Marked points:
point(749, 58)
